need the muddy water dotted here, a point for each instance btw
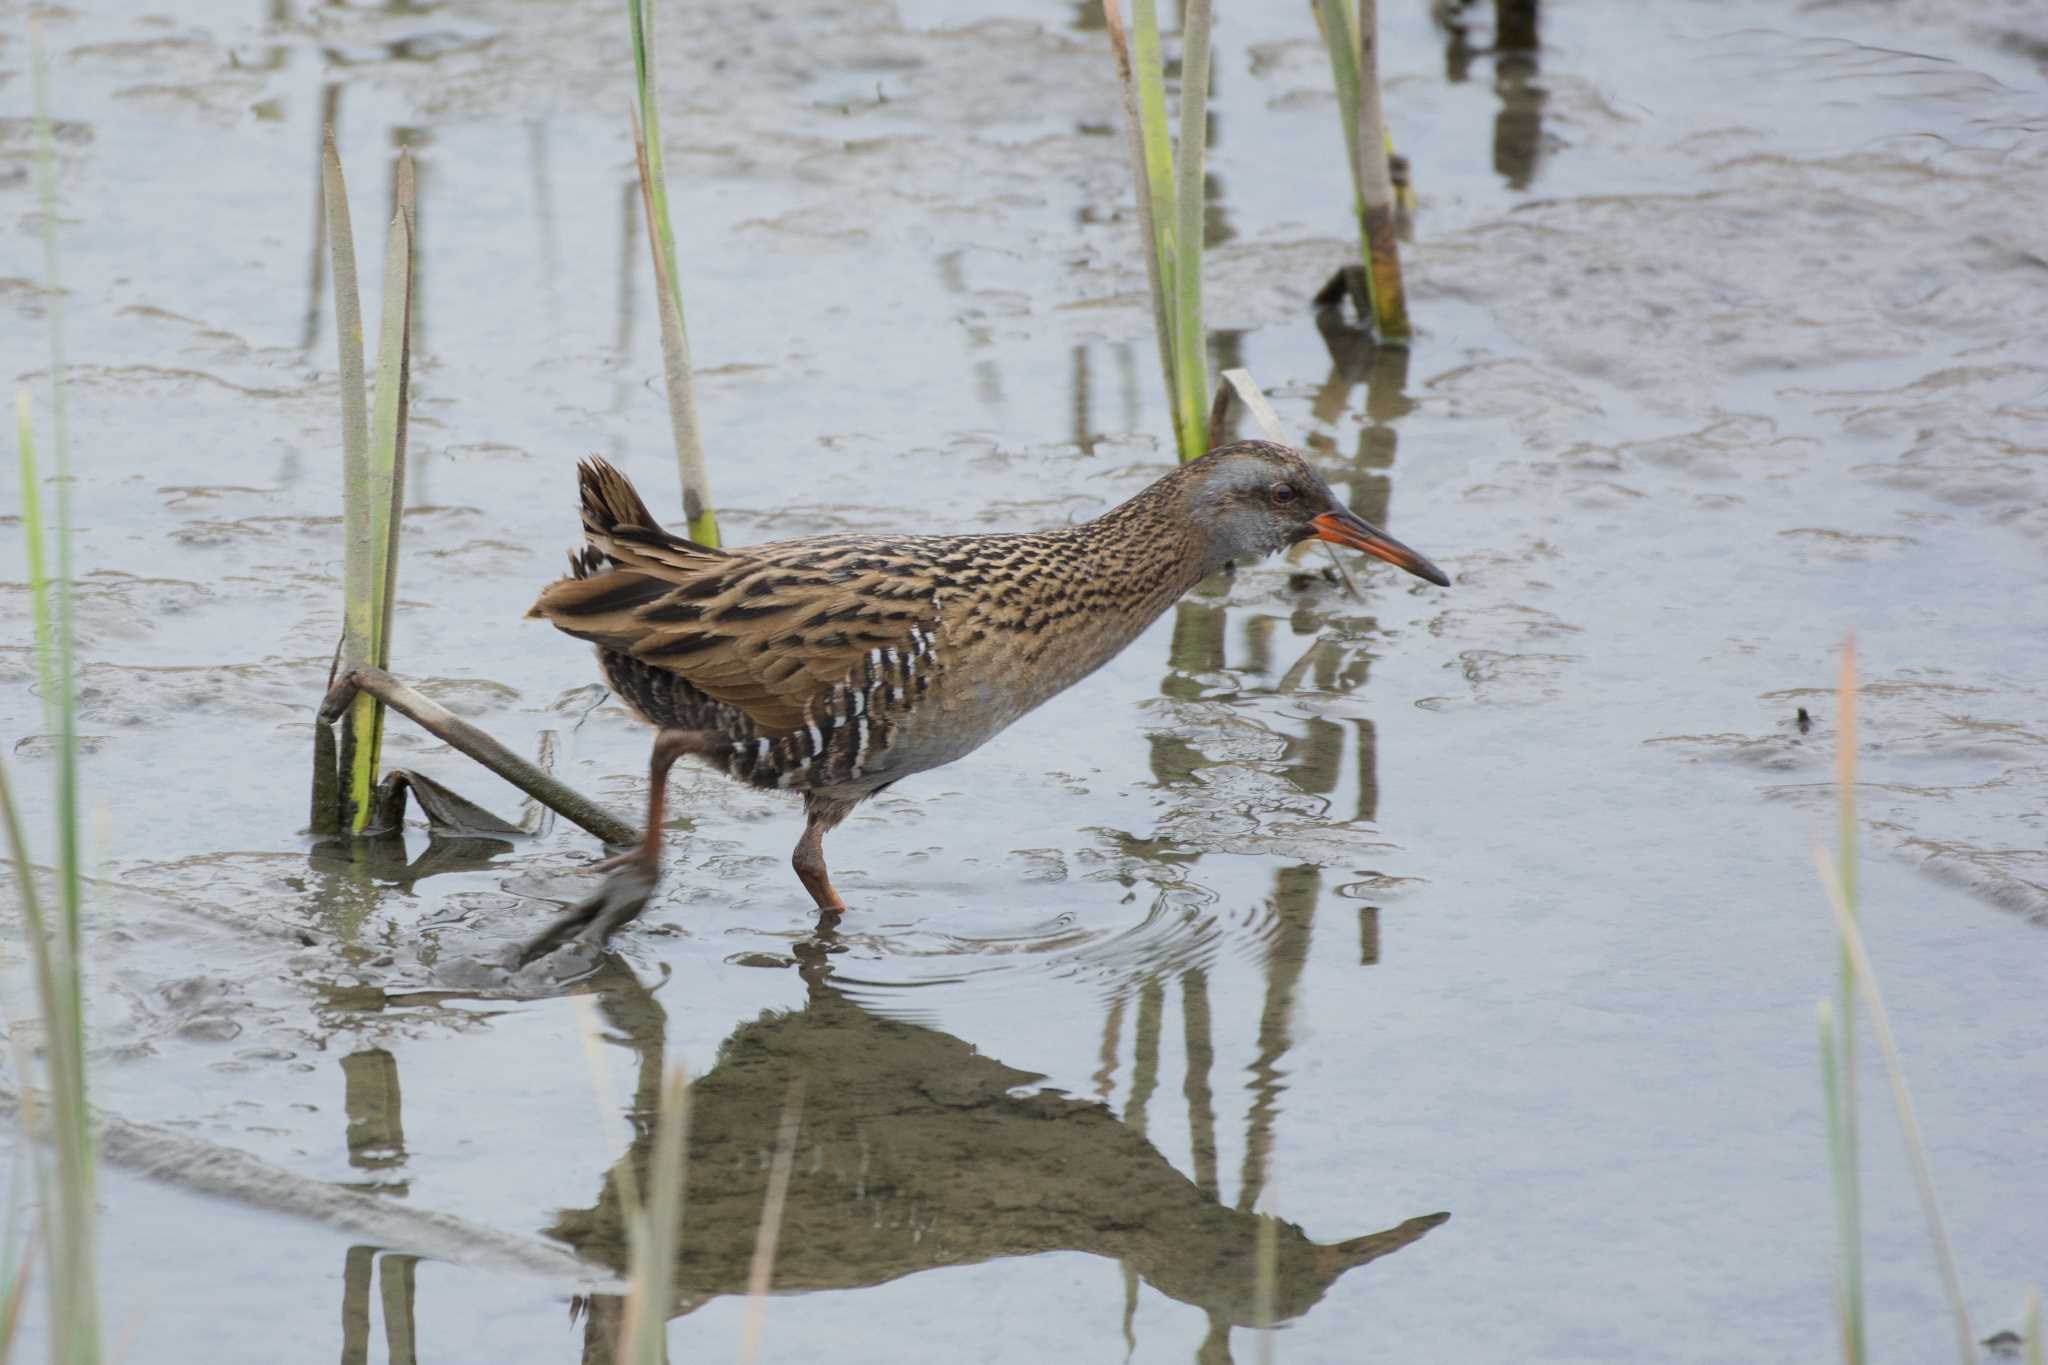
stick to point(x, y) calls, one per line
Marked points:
point(1493, 902)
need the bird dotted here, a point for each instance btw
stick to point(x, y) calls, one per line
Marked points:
point(835, 666)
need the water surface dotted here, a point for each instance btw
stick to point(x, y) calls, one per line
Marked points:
point(1493, 902)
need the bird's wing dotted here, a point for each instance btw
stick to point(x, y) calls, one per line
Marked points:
point(770, 629)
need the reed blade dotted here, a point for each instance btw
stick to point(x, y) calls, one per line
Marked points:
point(383, 494)
point(1170, 200)
point(1339, 30)
point(1152, 245)
point(358, 608)
point(678, 375)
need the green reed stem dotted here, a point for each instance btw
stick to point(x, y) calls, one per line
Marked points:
point(1170, 200)
point(677, 372)
point(1191, 339)
point(385, 490)
point(373, 466)
point(1339, 29)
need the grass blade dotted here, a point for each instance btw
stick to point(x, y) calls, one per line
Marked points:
point(1848, 1249)
point(32, 536)
point(1865, 978)
point(677, 373)
point(2032, 1314)
point(68, 865)
point(57, 950)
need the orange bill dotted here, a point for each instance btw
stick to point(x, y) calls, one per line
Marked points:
point(1346, 528)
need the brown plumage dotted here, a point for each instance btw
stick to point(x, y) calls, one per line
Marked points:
point(836, 665)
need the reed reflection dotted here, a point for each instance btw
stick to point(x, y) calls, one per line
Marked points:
point(1518, 126)
point(918, 1151)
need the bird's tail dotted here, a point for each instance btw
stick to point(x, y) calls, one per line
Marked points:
point(623, 545)
point(618, 525)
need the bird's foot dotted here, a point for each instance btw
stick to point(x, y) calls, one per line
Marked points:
point(597, 917)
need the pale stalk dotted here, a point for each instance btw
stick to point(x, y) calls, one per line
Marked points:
point(1376, 188)
point(1849, 1158)
point(678, 375)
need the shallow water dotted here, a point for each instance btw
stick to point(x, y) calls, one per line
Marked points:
point(1494, 902)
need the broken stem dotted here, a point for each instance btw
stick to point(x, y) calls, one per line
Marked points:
point(444, 724)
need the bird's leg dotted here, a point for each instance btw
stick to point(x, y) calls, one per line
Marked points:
point(634, 873)
point(809, 858)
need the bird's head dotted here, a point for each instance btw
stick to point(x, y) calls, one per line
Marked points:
point(1255, 497)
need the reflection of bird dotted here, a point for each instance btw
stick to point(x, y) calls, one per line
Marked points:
point(837, 665)
point(918, 1151)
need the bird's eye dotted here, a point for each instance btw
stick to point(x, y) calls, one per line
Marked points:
point(1282, 494)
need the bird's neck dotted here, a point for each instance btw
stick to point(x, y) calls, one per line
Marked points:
point(1151, 545)
point(1145, 553)
point(1118, 574)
